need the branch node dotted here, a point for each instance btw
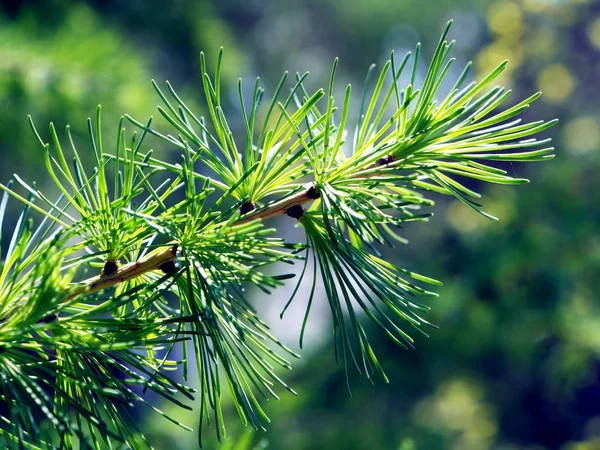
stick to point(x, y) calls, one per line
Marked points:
point(247, 207)
point(295, 212)
point(168, 267)
point(313, 193)
point(110, 267)
point(385, 160)
point(48, 319)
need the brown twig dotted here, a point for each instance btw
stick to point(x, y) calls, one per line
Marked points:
point(165, 258)
point(281, 207)
point(153, 261)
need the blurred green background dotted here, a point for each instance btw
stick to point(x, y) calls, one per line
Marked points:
point(516, 362)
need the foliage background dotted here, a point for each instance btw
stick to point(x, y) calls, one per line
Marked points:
point(516, 362)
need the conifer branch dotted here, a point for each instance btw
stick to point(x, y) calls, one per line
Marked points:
point(160, 260)
point(349, 193)
point(154, 261)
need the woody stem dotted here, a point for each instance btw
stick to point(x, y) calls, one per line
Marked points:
point(164, 259)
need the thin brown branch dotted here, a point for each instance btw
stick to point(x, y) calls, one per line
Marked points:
point(159, 259)
point(281, 207)
point(162, 258)
point(153, 261)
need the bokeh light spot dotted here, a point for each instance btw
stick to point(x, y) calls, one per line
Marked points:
point(556, 82)
point(593, 32)
point(506, 19)
point(492, 55)
point(461, 218)
point(535, 6)
point(582, 135)
point(541, 43)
